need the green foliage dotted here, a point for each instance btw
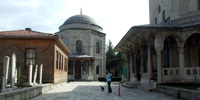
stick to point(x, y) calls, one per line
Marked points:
point(101, 79)
point(114, 60)
point(188, 87)
point(22, 78)
point(114, 79)
point(110, 56)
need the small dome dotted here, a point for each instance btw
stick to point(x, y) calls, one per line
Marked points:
point(80, 22)
point(80, 19)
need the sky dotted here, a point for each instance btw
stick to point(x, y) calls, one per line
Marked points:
point(116, 17)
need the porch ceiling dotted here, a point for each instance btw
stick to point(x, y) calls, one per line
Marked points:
point(136, 34)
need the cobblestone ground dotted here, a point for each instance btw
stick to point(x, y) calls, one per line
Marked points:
point(92, 91)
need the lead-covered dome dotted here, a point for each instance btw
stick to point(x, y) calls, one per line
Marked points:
point(80, 22)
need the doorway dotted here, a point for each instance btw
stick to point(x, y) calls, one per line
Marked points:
point(78, 70)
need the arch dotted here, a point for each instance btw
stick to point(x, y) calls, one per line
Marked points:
point(175, 36)
point(170, 52)
point(79, 46)
point(192, 50)
point(97, 47)
point(187, 37)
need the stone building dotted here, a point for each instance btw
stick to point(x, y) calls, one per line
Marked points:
point(167, 49)
point(86, 41)
point(38, 48)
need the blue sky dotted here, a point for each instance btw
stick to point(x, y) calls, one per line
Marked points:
point(116, 17)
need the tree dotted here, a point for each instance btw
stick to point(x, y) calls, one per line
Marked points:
point(114, 60)
point(110, 56)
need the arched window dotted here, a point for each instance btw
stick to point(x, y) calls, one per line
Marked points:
point(78, 46)
point(97, 48)
point(97, 69)
point(159, 9)
point(86, 68)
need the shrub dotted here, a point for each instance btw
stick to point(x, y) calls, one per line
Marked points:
point(22, 78)
point(114, 79)
point(101, 79)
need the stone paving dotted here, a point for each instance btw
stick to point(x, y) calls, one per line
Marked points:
point(92, 91)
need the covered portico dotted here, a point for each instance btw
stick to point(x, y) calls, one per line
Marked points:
point(162, 53)
point(81, 67)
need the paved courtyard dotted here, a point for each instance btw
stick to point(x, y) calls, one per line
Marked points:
point(92, 91)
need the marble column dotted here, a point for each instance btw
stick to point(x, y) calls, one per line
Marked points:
point(41, 68)
point(5, 72)
point(181, 63)
point(35, 74)
point(159, 65)
point(128, 65)
point(7, 67)
point(142, 63)
point(135, 63)
point(30, 74)
point(13, 70)
point(131, 65)
point(16, 74)
point(150, 74)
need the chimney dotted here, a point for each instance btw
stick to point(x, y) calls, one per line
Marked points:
point(28, 29)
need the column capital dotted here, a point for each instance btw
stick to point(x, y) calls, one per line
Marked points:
point(158, 49)
point(181, 51)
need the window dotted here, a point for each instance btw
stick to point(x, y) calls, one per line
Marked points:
point(59, 61)
point(163, 15)
point(86, 68)
point(156, 20)
point(78, 46)
point(66, 64)
point(97, 48)
point(97, 69)
point(70, 72)
point(56, 59)
point(62, 63)
point(30, 57)
point(159, 9)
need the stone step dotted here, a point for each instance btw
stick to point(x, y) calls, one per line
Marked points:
point(130, 85)
point(147, 88)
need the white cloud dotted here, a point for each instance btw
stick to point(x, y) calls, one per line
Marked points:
point(116, 17)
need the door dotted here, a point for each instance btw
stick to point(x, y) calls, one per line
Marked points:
point(78, 70)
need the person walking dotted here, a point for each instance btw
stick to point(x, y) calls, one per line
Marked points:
point(109, 79)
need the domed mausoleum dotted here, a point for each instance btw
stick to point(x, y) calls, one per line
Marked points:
point(86, 41)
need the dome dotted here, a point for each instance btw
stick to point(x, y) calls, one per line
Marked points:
point(80, 22)
point(80, 19)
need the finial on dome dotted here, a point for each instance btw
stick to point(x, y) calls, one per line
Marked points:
point(81, 12)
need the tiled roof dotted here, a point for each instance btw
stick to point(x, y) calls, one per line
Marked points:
point(25, 33)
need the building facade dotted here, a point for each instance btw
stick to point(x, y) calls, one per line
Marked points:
point(38, 48)
point(167, 49)
point(86, 41)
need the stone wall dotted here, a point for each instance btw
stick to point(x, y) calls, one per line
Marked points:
point(180, 93)
point(27, 93)
point(44, 55)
